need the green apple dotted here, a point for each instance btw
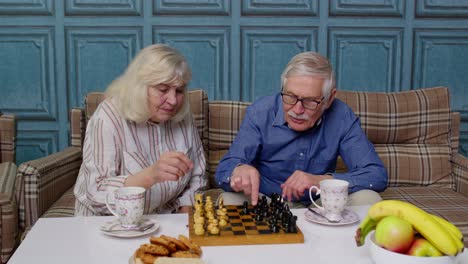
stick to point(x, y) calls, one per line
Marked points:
point(394, 233)
point(423, 248)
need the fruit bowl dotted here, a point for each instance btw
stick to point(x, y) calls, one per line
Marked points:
point(381, 255)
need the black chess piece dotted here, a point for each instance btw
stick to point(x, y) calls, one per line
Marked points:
point(292, 227)
point(245, 209)
point(274, 228)
point(258, 217)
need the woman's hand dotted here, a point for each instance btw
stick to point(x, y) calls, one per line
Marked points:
point(171, 166)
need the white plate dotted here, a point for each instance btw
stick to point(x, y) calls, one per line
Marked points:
point(114, 224)
point(349, 217)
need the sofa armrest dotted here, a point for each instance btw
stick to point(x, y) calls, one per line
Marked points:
point(40, 182)
point(77, 127)
point(8, 211)
point(460, 173)
point(7, 138)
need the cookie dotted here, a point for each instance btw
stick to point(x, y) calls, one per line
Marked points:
point(184, 254)
point(191, 245)
point(179, 244)
point(163, 242)
point(155, 249)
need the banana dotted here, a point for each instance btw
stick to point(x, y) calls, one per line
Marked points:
point(426, 225)
point(452, 229)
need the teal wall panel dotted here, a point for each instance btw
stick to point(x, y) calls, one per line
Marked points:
point(207, 51)
point(96, 56)
point(265, 53)
point(53, 52)
point(366, 59)
point(29, 7)
point(27, 67)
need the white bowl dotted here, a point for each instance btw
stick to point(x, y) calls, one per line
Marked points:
point(381, 255)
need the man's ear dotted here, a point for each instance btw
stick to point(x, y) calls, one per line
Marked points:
point(332, 97)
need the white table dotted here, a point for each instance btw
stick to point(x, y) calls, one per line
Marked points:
point(78, 240)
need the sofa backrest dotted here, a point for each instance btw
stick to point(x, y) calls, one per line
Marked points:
point(411, 132)
point(7, 138)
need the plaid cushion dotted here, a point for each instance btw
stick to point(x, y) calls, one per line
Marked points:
point(417, 116)
point(7, 138)
point(64, 206)
point(77, 127)
point(417, 164)
point(198, 100)
point(225, 118)
point(92, 101)
point(460, 173)
point(8, 211)
point(439, 201)
point(39, 183)
point(411, 132)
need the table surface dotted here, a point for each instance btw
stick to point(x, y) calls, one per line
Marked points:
point(78, 240)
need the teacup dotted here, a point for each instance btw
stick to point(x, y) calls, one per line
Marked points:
point(334, 197)
point(129, 204)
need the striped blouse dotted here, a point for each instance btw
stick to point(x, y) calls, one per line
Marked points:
point(115, 148)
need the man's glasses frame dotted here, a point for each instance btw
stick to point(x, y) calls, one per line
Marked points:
point(307, 103)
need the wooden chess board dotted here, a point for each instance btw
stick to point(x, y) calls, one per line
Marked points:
point(244, 230)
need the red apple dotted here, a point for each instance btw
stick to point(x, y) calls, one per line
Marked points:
point(394, 233)
point(423, 248)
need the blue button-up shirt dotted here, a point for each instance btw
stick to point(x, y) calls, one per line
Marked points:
point(266, 142)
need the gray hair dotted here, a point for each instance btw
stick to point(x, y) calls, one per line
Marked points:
point(153, 65)
point(311, 64)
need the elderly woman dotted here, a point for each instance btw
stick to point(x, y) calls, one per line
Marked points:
point(143, 135)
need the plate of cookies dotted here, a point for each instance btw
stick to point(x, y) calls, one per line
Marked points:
point(166, 249)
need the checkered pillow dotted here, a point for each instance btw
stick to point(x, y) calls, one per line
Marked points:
point(225, 118)
point(411, 133)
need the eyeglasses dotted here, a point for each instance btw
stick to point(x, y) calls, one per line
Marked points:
point(306, 102)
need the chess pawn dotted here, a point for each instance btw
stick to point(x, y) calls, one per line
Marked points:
point(214, 230)
point(199, 220)
point(222, 222)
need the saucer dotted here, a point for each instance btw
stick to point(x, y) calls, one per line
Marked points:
point(107, 228)
point(349, 217)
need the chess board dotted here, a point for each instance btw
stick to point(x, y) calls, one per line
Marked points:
point(243, 229)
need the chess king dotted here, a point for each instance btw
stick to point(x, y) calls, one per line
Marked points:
point(291, 140)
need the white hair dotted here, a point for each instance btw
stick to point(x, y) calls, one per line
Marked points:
point(153, 65)
point(311, 64)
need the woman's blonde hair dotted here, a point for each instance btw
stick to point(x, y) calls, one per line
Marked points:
point(153, 65)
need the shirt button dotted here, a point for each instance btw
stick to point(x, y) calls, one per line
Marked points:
point(370, 185)
point(301, 154)
point(228, 179)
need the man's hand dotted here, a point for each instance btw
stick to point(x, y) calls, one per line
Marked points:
point(299, 182)
point(247, 179)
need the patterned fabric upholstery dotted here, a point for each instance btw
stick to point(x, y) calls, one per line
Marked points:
point(225, 118)
point(8, 211)
point(41, 182)
point(8, 206)
point(410, 131)
point(7, 138)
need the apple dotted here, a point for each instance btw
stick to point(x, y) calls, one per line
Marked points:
point(394, 234)
point(423, 248)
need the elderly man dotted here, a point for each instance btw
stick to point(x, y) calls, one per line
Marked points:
point(290, 141)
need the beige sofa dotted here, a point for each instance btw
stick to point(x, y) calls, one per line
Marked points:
point(8, 208)
point(414, 133)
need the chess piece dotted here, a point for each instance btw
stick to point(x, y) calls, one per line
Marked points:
point(245, 209)
point(292, 227)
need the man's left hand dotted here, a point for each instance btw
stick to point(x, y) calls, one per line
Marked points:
point(299, 182)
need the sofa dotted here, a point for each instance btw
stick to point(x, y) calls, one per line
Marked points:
point(414, 132)
point(8, 207)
